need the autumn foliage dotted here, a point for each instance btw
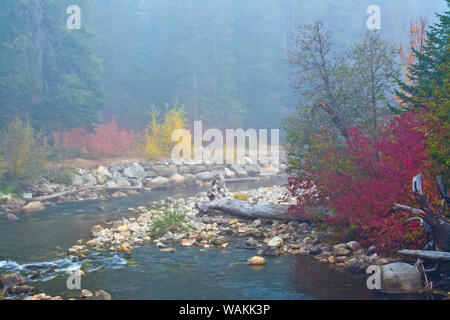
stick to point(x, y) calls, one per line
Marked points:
point(362, 183)
point(158, 142)
point(106, 139)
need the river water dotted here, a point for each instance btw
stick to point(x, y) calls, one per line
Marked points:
point(35, 245)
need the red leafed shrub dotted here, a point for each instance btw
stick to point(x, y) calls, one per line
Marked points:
point(106, 140)
point(362, 183)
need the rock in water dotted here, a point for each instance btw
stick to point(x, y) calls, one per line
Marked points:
point(101, 295)
point(33, 206)
point(86, 294)
point(400, 277)
point(11, 217)
point(256, 261)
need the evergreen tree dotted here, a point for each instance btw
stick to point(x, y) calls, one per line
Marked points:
point(426, 70)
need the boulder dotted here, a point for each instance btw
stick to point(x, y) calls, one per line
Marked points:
point(95, 230)
point(159, 182)
point(187, 242)
point(11, 217)
point(86, 294)
point(275, 242)
point(400, 277)
point(77, 181)
point(11, 279)
point(229, 173)
point(33, 206)
point(241, 173)
point(189, 179)
point(123, 183)
point(103, 172)
point(184, 169)
point(165, 171)
point(101, 295)
point(256, 261)
point(198, 168)
point(342, 251)
point(134, 170)
point(177, 180)
point(88, 179)
point(111, 184)
point(204, 176)
point(315, 251)
point(251, 171)
point(354, 246)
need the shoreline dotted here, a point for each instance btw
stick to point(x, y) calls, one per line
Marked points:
point(265, 237)
point(129, 178)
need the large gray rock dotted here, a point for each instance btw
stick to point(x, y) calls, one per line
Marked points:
point(400, 277)
point(134, 170)
point(159, 182)
point(165, 171)
point(204, 176)
point(189, 179)
point(275, 242)
point(241, 173)
point(251, 171)
point(88, 179)
point(77, 181)
point(101, 170)
point(177, 179)
point(123, 183)
point(198, 168)
point(229, 173)
point(184, 169)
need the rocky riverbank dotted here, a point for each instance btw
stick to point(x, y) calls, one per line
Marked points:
point(265, 238)
point(118, 180)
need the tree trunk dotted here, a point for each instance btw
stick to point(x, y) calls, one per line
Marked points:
point(431, 255)
point(248, 210)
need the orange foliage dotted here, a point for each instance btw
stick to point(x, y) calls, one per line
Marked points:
point(106, 140)
point(417, 37)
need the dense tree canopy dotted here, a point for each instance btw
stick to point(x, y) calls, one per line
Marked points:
point(49, 73)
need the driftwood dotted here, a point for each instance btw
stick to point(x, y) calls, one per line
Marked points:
point(66, 193)
point(435, 223)
point(249, 210)
point(218, 189)
point(430, 255)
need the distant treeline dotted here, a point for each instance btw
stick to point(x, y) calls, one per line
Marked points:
point(222, 60)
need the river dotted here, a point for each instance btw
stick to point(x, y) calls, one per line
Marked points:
point(35, 245)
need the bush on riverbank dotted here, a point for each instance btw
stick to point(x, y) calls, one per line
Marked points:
point(61, 176)
point(106, 139)
point(169, 220)
point(24, 153)
point(363, 182)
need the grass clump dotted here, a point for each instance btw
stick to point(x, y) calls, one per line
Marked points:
point(168, 220)
point(241, 196)
point(62, 176)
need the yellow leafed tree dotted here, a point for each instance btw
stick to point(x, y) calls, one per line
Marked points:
point(157, 141)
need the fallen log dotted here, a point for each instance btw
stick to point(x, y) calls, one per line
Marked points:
point(69, 192)
point(431, 255)
point(249, 210)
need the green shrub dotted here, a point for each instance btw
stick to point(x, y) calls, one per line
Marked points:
point(61, 176)
point(24, 154)
point(168, 220)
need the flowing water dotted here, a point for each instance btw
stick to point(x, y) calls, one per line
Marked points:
point(35, 245)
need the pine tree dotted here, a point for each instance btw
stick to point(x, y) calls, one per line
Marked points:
point(426, 69)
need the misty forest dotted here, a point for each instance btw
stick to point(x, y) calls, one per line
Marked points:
point(224, 149)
